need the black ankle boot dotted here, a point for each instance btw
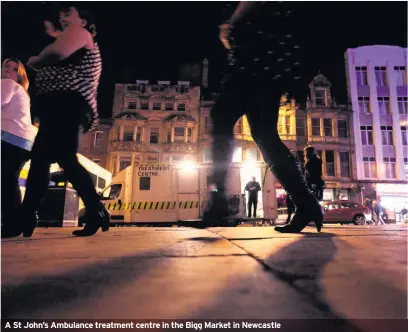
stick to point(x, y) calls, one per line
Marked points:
point(10, 231)
point(94, 221)
point(308, 209)
point(30, 223)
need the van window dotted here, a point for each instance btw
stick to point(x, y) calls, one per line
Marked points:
point(144, 183)
point(101, 183)
point(112, 192)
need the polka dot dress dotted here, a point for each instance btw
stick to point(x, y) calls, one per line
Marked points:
point(80, 72)
point(263, 45)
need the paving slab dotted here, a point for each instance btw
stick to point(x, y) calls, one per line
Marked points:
point(347, 272)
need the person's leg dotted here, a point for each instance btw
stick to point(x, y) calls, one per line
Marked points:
point(13, 159)
point(225, 113)
point(263, 113)
point(37, 179)
point(96, 215)
point(249, 207)
point(255, 206)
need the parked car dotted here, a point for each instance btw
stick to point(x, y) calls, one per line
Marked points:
point(346, 212)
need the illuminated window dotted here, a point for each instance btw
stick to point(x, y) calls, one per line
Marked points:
point(128, 133)
point(321, 97)
point(364, 105)
point(361, 76)
point(381, 76)
point(98, 139)
point(280, 124)
point(316, 126)
point(144, 105)
point(154, 135)
point(154, 88)
point(132, 105)
point(287, 124)
point(386, 135)
point(181, 107)
point(156, 106)
point(401, 75)
point(389, 168)
point(189, 135)
point(370, 169)
point(383, 105)
point(403, 105)
point(239, 127)
point(179, 134)
point(366, 135)
point(404, 134)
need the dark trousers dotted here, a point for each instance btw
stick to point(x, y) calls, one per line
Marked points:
point(13, 159)
point(60, 116)
point(252, 201)
point(259, 101)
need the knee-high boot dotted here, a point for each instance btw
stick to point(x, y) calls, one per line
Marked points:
point(289, 173)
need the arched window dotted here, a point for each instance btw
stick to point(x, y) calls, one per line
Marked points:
point(98, 139)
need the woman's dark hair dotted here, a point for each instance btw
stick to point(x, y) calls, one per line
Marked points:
point(85, 15)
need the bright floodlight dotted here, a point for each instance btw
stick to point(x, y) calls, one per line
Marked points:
point(188, 165)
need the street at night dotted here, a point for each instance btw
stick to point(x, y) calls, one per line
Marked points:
point(345, 272)
point(204, 165)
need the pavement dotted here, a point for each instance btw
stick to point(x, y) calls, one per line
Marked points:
point(345, 272)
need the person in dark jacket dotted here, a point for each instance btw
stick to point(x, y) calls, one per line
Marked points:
point(313, 172)
point(252, 187)
point(263, 63)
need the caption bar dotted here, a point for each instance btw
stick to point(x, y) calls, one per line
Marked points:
point(187, 325)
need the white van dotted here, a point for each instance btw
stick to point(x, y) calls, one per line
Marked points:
point(146, 193)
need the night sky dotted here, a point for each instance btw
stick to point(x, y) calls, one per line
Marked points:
point(149, 40)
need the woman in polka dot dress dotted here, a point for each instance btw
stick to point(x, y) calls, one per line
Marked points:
point(263, 64)
point(68, 76)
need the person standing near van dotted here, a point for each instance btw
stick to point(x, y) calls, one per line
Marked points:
point(252, 187)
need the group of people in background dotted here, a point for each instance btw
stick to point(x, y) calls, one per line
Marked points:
point(376, 210)
point(68, 72)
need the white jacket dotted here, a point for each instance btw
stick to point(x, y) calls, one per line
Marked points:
point(15, 111)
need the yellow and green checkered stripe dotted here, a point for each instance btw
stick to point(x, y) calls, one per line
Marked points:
point(163, 205)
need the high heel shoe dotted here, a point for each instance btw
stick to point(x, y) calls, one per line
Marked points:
point(300, 220)
point(30, 223)
point(93, 222)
